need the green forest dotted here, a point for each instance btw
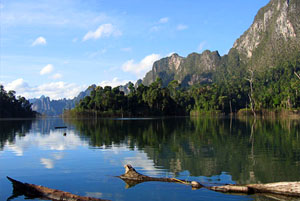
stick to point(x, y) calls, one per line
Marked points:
point(12, 107)
point(233, 89)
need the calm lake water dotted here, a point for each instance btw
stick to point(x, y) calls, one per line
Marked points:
point(85, 161)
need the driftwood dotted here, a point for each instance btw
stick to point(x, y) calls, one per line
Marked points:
point(132, 177)
point(279, 188)
point(292, 189)
point(35, 191)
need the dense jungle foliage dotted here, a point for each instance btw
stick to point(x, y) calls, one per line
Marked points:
point(11, 107)
point(276, 88)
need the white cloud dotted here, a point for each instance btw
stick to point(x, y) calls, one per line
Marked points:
point(55, 90)
point(126, 49)
point(47, 162)
point(181, 27)
point(104, 30)
point(47, 69)
point(39, 41)
point(16, 85)
point(142, 67)
point(57, 76)
point(201, 46)
point(164, 20)
point(113, 83)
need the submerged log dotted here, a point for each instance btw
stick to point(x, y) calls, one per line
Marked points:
point(36, 191)
point(132, 177)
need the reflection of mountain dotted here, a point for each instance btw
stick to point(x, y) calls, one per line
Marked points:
point(206, 146)
point(44, 126)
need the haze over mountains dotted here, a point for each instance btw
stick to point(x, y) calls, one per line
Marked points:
point(48, 107)
point(273, 38)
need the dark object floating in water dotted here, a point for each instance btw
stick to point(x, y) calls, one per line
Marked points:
point(41, 192)
point(58, 127)
point(65, 134)
point(132, 178)
point(287, 190)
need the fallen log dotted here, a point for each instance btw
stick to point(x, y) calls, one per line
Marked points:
point(292, 189)
point(132, 177)
point(279, 188)
point(36, 191)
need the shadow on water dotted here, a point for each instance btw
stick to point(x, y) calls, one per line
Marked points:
point(250, 151)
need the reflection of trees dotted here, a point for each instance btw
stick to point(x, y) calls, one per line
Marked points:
point(207, 146)
point(10, 129)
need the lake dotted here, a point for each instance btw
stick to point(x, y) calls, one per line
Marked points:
point(211, 151)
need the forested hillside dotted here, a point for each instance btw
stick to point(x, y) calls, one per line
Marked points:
point(11, 107)
point(260, 73)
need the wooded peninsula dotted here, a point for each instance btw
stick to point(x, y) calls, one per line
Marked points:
point(233, 90)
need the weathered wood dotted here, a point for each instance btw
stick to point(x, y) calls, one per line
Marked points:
point(132, 177)
point(32, 190)
point(279, 188)
point(231, 189)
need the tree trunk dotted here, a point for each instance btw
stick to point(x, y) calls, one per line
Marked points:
point(252, 102)
point(32, 190)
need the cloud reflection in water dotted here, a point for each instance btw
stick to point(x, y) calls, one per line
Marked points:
point(53, 141)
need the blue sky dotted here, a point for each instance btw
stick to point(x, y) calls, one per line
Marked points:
point(58, 48)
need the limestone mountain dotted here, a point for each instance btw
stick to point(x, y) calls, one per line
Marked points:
point(273, 37)
point(46, 106)
point(188, 71)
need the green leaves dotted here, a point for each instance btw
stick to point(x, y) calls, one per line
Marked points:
point(11, 107)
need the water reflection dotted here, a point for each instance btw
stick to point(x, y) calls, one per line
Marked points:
point(10, 129)
point(251, 152)
point(53, 141)
point(207, 150)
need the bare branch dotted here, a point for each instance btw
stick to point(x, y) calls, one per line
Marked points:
point(298, 76)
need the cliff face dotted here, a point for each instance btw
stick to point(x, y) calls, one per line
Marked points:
point(45, 106)
point(273, 37)
point(274, 34)
point(49, 107)
point(187, 71)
